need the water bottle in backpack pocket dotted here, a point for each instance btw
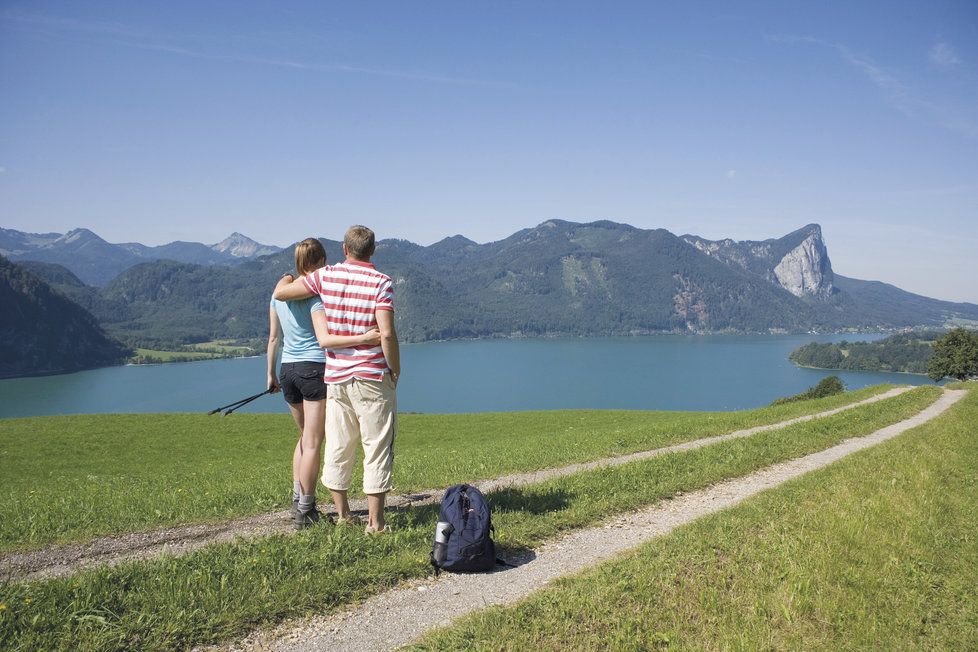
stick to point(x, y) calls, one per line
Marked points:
point(439, 550)
point(463, 537)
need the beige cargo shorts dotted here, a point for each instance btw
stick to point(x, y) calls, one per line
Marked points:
point(360, 412)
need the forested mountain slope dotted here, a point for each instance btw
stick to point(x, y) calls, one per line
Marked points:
point(41, 331)
point(558, 278)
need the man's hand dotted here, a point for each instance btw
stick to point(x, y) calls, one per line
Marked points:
point(273, 385)
point(289, 289)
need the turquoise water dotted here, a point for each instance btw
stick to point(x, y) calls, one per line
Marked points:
point(660, 372)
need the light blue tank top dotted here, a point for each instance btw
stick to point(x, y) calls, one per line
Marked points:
point(299, 342)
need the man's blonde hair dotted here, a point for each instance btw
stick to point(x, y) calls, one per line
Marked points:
point(359, 241)
point(309, 256)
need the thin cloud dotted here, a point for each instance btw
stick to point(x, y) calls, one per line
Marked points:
point(943, 55)
point(126, 36)
point(731, 174)
point(307, 65)
point(897, 93)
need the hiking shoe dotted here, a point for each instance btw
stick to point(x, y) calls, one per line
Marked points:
point(303, 520)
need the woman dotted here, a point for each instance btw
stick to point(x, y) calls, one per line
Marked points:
point(300, 379)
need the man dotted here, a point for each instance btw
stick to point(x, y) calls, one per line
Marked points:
point(361, 401)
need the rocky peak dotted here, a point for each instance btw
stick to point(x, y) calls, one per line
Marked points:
point(805, 270)
point(797, 262)
point(79, 235)
point(241, 246)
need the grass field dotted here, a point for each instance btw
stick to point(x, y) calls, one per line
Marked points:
point(212, 350)
point(74, 477)
point(878, 551)
point(226, 589)
point(174, 356)
point(227, 346)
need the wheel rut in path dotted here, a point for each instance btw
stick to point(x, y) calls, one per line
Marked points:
point(399, 616)
point(63, 560)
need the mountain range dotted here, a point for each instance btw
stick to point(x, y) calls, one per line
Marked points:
point(558, 278)
point(96, 262)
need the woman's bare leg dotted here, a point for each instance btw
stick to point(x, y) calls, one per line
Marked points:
point(313, 430)
point(299, 417)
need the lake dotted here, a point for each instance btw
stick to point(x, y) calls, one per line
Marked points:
point(718, 372)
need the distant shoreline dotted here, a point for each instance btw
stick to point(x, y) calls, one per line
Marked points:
point(882, 371)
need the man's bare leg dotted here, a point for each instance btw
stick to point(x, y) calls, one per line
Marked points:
point(341, 504)
point(375, 511)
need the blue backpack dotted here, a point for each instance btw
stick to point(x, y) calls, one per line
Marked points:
point(463, 541)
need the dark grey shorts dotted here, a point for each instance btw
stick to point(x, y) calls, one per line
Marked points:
point(302, 381)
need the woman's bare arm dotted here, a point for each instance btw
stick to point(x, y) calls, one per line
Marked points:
point(329, 341)
point(274, 343)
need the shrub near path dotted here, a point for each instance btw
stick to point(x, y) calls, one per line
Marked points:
point(877, 551)
point(225, 590)
point(76, 477)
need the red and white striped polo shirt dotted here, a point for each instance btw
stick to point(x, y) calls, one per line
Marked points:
point(352, 292)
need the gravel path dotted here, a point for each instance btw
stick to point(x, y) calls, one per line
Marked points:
point(399, 616)
point(63, 560)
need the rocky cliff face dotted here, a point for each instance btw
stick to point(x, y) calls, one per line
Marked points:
point(806, 270)
point(798, 262)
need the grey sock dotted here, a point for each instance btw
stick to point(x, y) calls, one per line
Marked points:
point(296, 489)
point(307, 503)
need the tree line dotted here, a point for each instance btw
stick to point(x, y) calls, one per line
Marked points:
point(939, 355)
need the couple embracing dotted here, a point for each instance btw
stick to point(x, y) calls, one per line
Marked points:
point(340, 366)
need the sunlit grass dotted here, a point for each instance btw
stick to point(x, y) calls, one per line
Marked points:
point(74, 477)
point(876, 552)
point(175, 356)
point(226, 589)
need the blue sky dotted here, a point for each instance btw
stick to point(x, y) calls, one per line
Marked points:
point(154, 122)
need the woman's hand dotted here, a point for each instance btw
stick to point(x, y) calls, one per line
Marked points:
point(371, 337)
point(273, 385)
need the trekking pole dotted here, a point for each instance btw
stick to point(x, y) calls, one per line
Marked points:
point(237, 404)
point(245, 402)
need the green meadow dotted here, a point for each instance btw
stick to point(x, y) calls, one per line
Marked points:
point(75, 477)
point(875, 552)
point(149, 356)
point(215, 349)
point(225, 590)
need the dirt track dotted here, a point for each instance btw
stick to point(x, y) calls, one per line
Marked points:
point(399, 616)
point(62, 560)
